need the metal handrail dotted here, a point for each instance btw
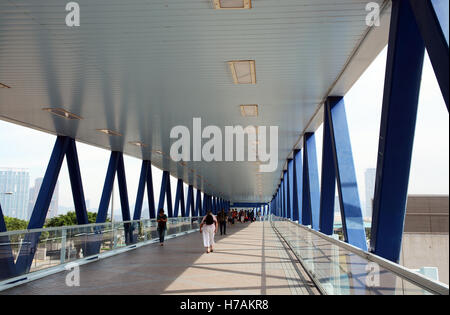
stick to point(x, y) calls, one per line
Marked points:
point(403, 272)
point(69, 227)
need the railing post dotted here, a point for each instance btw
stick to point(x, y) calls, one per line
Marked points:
point(63, 245)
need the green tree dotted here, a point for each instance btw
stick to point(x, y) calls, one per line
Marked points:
point(68, 219)
point(14, 224)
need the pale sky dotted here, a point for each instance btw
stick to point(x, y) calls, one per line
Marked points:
point(26, 148)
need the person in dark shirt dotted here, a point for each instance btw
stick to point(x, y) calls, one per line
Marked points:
point(222, 218)
point(162, 226)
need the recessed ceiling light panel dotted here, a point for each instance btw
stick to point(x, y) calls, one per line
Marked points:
point(249, 110)
point(109, 132)
point(138, 143)
point(243, 71)
point(232, 4)
point(63, 113)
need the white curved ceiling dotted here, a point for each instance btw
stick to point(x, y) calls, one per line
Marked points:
point(140, 67)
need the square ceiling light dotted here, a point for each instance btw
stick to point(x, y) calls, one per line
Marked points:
point(243, 71)
point(249, 110)
point(138, 143)
point(232, 4)
point(61, 112)
point(109, 132)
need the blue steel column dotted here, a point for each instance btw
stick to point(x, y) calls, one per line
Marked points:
point(206, 203)
point(107, 188)
point(291, 185)
point(141, 190)
point(434, 40)
point(40, 209)
point(178, 197)
point(124, 203)
point(94, 242)
point(298, 159)
point(398, 121)
point(150, 193)
point(279, 202)
point(189, 201)
point(123, 191)
point(76, 184)
point(311, 188)
point(139, 198)
point(286, 194)
point(169, 197)
point(328, 187)
point(352, 219)
point(7, 267)
point(283, 195)
point(198, 204)
point(165, 193)
point(280, 199)
point(182, 201)
point(2, 221)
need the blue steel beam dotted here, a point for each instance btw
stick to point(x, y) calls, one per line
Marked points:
point(198, 203)
point(124, 203)
point(434, 40)
point(398, 121)
point(165, 193)
point(2, 221)
point(352, 219)
point(40, 209)
point(328, 186)
point(140, 192)
point(179, 199)
point(150, 193)
point(213, 205)
point(162, 193)
point(291, 185)
point(7, 266)
point(73, 166)
point(311, 188)
point(182, 201)
point(245, 204)
point(190, 201)
point(123, 192)
point(107, 188)
point(204, 204)
point(298, 160)
point(282, 197)
point(169, 197)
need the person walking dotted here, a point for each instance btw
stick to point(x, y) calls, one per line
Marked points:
point(208, 228)
point(222, 218)
point(162, 226)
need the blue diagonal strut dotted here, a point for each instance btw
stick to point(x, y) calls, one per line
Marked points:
point(40, 209)
point(398, 120)
point(434, 39)
point(344, 169)
point(311, 188)
point(73, 166)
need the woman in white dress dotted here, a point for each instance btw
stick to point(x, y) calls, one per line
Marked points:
point(208, 228)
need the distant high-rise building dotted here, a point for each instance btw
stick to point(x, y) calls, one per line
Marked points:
point(370, 175)
point(34, 191)
point(14, 192)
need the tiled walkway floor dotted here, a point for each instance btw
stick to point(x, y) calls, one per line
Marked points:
point(249, 260)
